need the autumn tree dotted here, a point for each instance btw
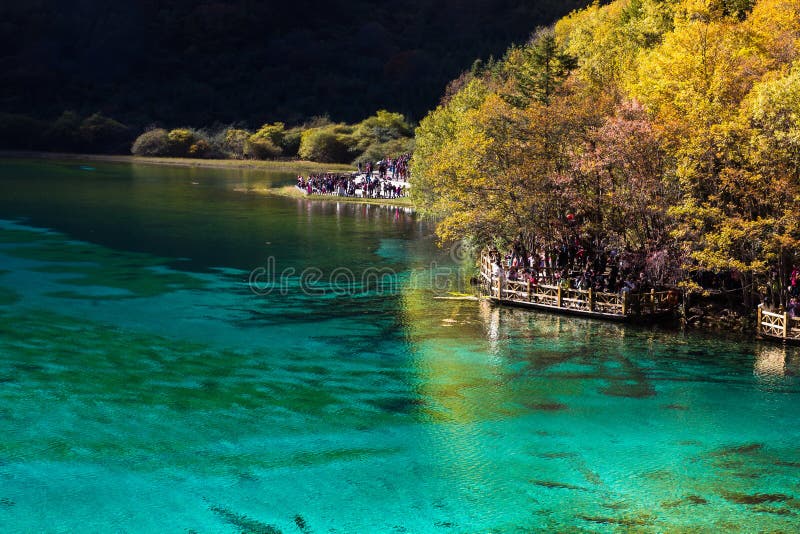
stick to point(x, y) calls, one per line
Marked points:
point(668, 128)
point(624, 167)
point(699, 84)
point(607, 40)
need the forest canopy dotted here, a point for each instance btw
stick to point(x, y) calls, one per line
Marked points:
point(204, 62)
point(665, 128)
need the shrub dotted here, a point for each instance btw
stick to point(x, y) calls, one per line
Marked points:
point(154, 142)
point(200, 149)
point(274, 132)
point(234, 142)
point(267, 142)
point(261, 148)
point(328, 144)
point(291, 142)
point(180, 141)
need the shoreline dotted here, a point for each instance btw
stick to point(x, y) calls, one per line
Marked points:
point(301, 166)
point(288, 191)
point(291, 191)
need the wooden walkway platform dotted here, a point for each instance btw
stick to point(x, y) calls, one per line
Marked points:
point(625, 306)
point(778, 325)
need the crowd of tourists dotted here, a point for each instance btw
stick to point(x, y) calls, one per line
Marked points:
point(386, 178)
point(570, 266)
point(793, 306)
point(351, 185)
point(394, 168)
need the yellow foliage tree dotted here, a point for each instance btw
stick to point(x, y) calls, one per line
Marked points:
point(678, 132)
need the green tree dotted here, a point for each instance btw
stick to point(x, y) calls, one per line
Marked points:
point(538, 68)
point(262, 148)
point(274, 132)
point(291, 141)
point(380, 128)
point(234, 142)
point(266, 143)
point(327, 144)
point(389, 149)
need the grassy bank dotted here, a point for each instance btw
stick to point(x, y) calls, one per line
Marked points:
point(295, 166)
point(292, 191)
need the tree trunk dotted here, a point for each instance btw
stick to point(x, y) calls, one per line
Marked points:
point(747, 290)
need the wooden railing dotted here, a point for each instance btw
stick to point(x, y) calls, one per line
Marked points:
point(621, 304)
point(778, 324)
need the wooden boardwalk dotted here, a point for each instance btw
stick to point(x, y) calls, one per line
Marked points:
point(624, 306)
point(778, 325)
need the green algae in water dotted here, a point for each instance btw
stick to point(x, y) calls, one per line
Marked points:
point(88, 265)
point(636, 521)
point(772, 510)
point(129, 376)
point(689, 500)
point(557, 485)
point(244, 523)
point(547, 406)
point(748, 448)
point(756, 498)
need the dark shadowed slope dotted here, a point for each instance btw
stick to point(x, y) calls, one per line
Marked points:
point(202, 61)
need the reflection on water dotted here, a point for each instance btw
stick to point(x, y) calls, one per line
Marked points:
point(770, 362)
point(491, 318)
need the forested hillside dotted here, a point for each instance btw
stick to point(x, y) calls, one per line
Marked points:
point(198, 62)
point(666, 128)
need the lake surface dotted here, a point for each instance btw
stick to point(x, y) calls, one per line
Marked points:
point(181, 352)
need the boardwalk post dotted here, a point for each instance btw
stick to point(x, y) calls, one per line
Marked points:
point(591, 299)
point(785, 324)
point(624, 303)
point(529, 290)
point(758, 319)
point(653, 301)
point(559, 295)
point(499, 287)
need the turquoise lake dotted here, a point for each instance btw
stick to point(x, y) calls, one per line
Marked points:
point(182, 352)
